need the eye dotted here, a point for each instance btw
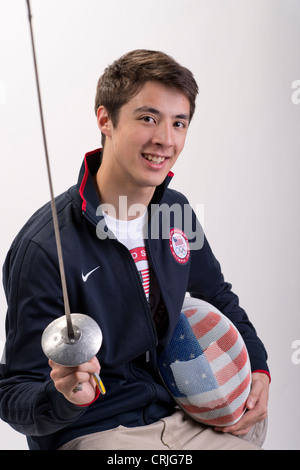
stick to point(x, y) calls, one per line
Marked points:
point(147, 119)
point(180, 124)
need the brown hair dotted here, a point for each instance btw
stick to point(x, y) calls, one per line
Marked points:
point(124, 77)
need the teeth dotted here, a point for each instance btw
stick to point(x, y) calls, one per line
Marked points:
point(154, 159)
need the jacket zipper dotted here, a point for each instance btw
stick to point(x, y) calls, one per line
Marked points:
point(151, 259)
point(136, 275)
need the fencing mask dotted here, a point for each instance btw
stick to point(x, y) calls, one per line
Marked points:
point(206, 367)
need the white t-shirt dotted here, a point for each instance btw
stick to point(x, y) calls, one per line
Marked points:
point(131, 234)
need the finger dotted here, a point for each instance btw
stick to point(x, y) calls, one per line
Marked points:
point(254, 395)
point(61, 371)
point(68, 383)
point(259, 390)
point(66, 378)
point(247, 421)
point(242, 432)
point(95, 361)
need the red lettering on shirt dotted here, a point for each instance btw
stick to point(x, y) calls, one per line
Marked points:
point(139, 254)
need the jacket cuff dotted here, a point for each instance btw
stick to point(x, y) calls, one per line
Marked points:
point(258, 357)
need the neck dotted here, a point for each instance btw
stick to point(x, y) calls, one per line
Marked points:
point(121, 202)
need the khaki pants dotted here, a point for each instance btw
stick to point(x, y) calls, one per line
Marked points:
point(176, 432)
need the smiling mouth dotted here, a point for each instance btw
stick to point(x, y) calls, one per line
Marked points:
point(154, 158)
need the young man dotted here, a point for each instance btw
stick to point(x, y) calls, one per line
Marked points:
point(123, 271)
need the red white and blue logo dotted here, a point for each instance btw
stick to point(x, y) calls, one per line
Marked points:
point(179, 245)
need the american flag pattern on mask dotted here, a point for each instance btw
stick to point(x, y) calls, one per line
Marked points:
point(206, 366)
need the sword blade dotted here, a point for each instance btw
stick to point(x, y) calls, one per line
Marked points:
point(70, 330)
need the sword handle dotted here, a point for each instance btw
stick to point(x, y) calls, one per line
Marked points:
point(99, 383)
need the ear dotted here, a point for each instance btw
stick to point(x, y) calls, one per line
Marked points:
point(103, 120)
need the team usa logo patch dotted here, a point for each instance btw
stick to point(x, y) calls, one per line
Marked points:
point(179, 245)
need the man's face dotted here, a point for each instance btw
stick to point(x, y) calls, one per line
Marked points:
point(148, 137)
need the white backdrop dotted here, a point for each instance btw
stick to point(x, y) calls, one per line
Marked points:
point(241, 160)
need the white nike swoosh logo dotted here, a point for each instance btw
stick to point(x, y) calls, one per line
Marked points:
point(85, 277)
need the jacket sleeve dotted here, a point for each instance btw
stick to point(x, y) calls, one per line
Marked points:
point(207, 283)
point(29, 401)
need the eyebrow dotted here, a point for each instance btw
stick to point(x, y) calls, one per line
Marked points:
point(149, 109)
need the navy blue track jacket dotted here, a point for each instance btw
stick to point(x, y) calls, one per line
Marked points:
point(113, 295)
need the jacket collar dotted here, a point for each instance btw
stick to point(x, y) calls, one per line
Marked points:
point(86, 187)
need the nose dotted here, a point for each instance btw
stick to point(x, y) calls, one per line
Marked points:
point(163, 135)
